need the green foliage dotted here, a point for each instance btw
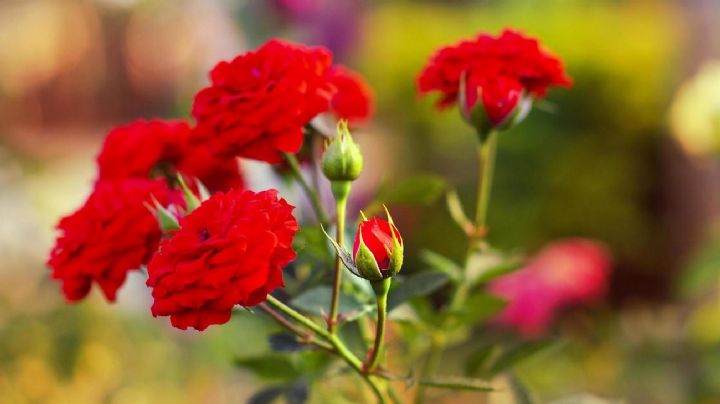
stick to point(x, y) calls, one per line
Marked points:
point(317, 301)
point(271, 366)
point(491, 359)
point(294, 393)
point(478, 308)
point(420, 284)
point(285, 342)
point(441, 263)
point(421, 190)
point(286, 367)
point(702, 273)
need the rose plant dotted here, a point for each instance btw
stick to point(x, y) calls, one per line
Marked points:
point(169, 199)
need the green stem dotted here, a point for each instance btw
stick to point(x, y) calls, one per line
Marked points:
point(290, 312)
point(486, 168)
point(306, 337)
point(381, 293)
point(486, 164)
point(338, 346)
point(341, 191)
point(309, 191)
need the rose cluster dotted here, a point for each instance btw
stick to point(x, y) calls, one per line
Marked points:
point(230, 250)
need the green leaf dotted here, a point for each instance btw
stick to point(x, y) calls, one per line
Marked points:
point(165, 218)
point(191, 200)
point(294, 393)
point(480, 359)
point(486, 265)
point(266, 396)
point(419, 284)
point(311, 240)
point(271, 366)
point(520, 391)
point(457, 383)
point(703, 271)
point(457, 212)
point(297, 393)
point(317, 301)
point(421, 190)
point(441, 263)
point(497, 271)
point(477, 308)
point(285, 342)
point(517, 354)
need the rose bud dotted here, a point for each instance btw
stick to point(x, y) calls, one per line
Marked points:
point(493, 105)
point(378, 249)
point(342, 160)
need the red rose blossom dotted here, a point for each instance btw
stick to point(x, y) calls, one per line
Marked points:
point(113, 233)
point(377, 235)
point(353, 100)
point(496, 70)
point(228, 251)
point(257, 104)
point(144, 149)
point(135, 149)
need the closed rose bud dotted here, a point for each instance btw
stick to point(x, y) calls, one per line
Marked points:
point(342, 160)
point(495, 105)
point(378, 249)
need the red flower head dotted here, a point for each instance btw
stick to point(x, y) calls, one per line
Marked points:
point(564, 273)
point(353, 100)
point(228, 251)
point(136, 149)
point(112, 233)
point(501, 72)
point(258, 103)
point(378, 249)
point(145, 149)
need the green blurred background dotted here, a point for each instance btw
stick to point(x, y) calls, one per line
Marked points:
point(598, 160)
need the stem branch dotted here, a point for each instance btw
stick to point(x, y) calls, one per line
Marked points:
point(311, 193)
point(337, 345)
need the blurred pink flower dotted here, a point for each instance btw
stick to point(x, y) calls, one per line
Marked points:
point(564, 273)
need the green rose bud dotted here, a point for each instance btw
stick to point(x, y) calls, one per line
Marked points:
point(342, 160)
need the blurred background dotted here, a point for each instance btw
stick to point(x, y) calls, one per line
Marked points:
point(628, 156)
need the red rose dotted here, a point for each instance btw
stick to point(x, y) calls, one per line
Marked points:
point(495, 70)
point(145, 149)
point(353, 100)
point(228, 251)
point(379, 238)
point(257, 104)
point(112, 233)
point(136, 149)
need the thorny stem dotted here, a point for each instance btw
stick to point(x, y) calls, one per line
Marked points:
point(309, 191)
point(338, 347)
